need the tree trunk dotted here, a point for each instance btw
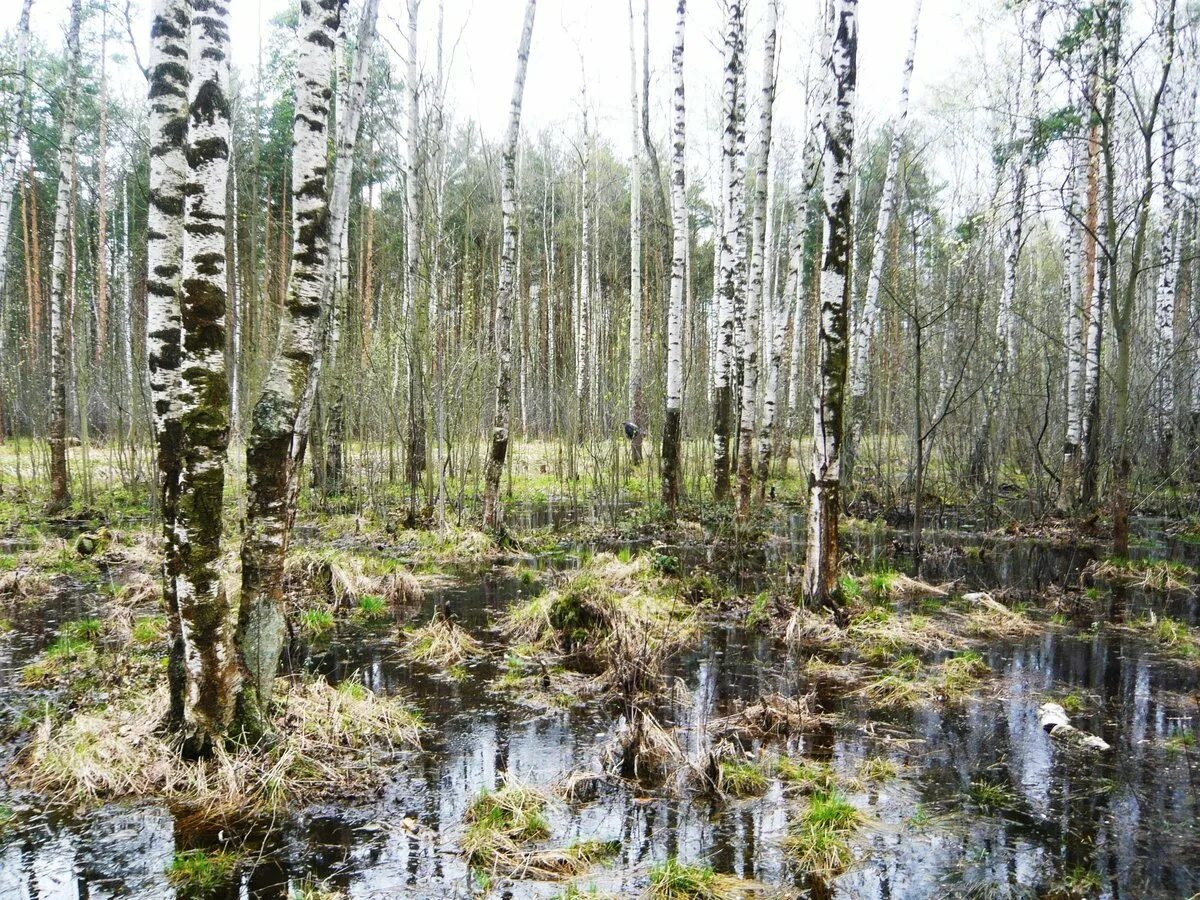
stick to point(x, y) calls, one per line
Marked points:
point(821, 564)
point(757, 297)
point(679, 220)
point(60, 278)
point(726, 308)
point(269, 469)
point(205, 608)
point(493, 510)
point(169, 78)
point(636, 415)
point(867, 322)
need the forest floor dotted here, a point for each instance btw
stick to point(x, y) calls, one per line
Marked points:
point(599, 708)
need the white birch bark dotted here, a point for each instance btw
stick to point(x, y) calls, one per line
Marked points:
point(269, 468)
point(821, 562)
point(16, 136)
point(207, 621)
point(584, 385)
point(755, 294)
point(867, 322)
point(731, 226)
point(679, 240)
point(1164, 300)
point(635, 246)
point(493, 509)
point(61, 279)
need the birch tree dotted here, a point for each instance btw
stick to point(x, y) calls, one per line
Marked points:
point(170, 37)
point(493, 510)
point(60, 276)
point(206, 612)
point(276, 446)
point(867, 322)
point(821, 562)
point(723, 377)
point(260, 616)
point(679, 222)
point(757, 297)
point(1164, 302)
point(16, 136)
point(635, 252)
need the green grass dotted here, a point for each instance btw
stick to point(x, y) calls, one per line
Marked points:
point(499, 821)
point(149, 629)
point(819, 841)
point(990, 796)
point(807, 774)
point(85, 630)
point(675, 880)
point(1180, 742)
point(200, 873)
point(372, 608)
point(743, 779)
point(318, 622)
point(758, 612)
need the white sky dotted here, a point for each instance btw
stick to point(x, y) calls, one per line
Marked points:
point(481, 37)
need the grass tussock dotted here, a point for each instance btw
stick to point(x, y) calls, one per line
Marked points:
point(675, 880)
point(197, 874)
point(1174, 636)
point(819, 839)
point(742, 778)
point(502, 825)
point(771, 716)
point(442, 643)
point(908, 682)
point(327, 738)
point(1162, 575)
point(345, 580)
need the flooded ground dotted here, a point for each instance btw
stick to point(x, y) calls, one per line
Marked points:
point(985, 803)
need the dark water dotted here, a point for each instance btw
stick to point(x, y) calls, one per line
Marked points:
point(1130, 817)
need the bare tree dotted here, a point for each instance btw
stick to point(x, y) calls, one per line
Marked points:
point(493, 509)
point(821, 564)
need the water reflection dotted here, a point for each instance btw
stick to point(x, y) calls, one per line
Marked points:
point(1131, 817)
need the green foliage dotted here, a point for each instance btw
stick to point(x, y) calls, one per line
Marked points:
point(743, 779)
point(319, 622)
point(200, 874)
point(819, 840)
point(372, 608)
point(674, 880)
point(759, 613)
point(149, 629)
point(84, 630)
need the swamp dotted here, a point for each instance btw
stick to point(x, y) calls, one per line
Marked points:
point(599, 450)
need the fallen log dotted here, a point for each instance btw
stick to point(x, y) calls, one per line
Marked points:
point(1056, 723)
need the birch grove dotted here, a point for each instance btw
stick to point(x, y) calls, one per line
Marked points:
point(280, 297)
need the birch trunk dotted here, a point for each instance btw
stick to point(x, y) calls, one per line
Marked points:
point(205, 608)
point(1074, 327)
point(493, 510)
point(671, 422)
point(169, 78)
point(16, 136)
point(821, 563)
point(268, 449)
point(60, 278)
point(757, 297)
point(1006, 318)
point(867, 322)
point(583, 325)
point(726, 307)
point(1164, 302)
point(635, 253)
point(416, 383)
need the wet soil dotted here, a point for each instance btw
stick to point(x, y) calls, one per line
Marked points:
point(1130, 817)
